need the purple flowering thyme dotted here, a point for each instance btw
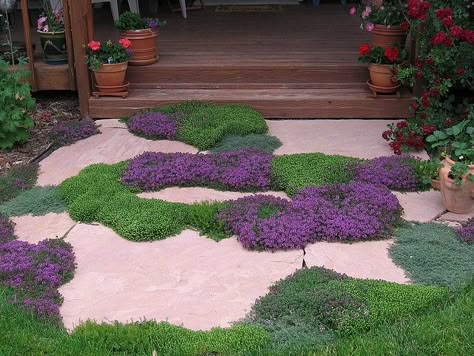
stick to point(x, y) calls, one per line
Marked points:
point(245, 169)
point(69, 131)
point(335, 212)
point(154, 125)
point(466, 232)
point(394, 172)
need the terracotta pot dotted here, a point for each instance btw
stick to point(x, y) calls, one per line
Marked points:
point(436, 184)
point(381, 75)
point(111, 74)
point(144, 46)
point(54, 47)
point(384, 36)
point(456, 198)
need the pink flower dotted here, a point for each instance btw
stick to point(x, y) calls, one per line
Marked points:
point(46, 28)
point(369, 26)
point(364, 14)
point(41, 22)
point(368, 9)
point(352, 11)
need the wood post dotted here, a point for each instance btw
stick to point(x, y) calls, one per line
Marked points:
point(80, 15)
point(29, 48)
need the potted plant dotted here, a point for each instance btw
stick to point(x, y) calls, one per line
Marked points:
point(50, 27)
point(457, 173)
point(143, 35)
point(381, 62)
point(108, 61)
point(385, 20)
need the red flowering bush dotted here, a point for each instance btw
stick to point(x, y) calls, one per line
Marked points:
point(444, 67)
point(406, 136)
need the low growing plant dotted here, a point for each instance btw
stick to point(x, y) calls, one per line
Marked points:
point(234, 142)
point(66, 132)
point(466, 231)
point(16, 180)
point(98, 53)
point(132, 21)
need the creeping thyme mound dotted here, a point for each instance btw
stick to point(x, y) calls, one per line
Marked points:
point(35, 271)
point(154, 125)
point(244, 169)
point(466, 232)
point(335, 212)
point(69, 131)
point(395, 172)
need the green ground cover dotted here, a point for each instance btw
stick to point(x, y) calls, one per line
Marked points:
point(234, 142)
point(16, 180)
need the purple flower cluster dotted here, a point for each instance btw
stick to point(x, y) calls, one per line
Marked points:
point(154, 124)
point(335, 212)
point(243, 169)
point(35, 271)
point(466, 232)
point(69, 131)
point(394, 172)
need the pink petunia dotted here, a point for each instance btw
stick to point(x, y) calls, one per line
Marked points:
point(352, 11)
point(369, 26)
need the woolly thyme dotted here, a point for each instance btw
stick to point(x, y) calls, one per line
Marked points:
point(67, 132)
point(334, 212)
point(234, 142)
point(17, 179)
point(201, 124)
point(35, 201)
point(244, 169)
point(35, 271)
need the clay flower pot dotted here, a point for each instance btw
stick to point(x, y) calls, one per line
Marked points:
point(457, 198)
point(436, 184)
point(381, 75)
point(144, 46)
point(385, 36)
point(111, 74)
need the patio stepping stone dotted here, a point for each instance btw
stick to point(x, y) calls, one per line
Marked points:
point(191, 195)
point(36, 228)
point(367, 259)
point(186, 279)
point(111, 146)
point(111, 123)
point(355, 138)
point(421, 206)
point(459, 218)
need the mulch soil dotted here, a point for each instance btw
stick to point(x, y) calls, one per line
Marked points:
point(50, 108)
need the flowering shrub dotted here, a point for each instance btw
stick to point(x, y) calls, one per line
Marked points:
point(466, 232)
point(244, 169)
point(380, 55)
point(155, 125)
point(35, 271)
point(335, 212)
point(51, 19)
point(445, 36)
point(98, 53)
point(67, 132)
point(132, 21)
point(380, 12)
point(405, 135)
point(394, 172)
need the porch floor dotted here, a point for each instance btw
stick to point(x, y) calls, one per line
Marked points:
point(300, 62)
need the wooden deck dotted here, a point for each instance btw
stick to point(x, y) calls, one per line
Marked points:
point(300, 62)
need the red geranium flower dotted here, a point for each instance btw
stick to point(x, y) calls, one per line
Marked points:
point(460, 70)
point(439, 38)
point(468, 35)
point(125, 42)
point(405, 25)
point(448, 21)
point(456, 31)
point(364, 49)
point(443, 13)
point(391, 53)
point(94, 45)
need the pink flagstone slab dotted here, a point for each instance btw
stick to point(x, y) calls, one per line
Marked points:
point(186, 279)
point(367, 259)
point(110, 123)
point(111, 146)
point(199, 194)
point(460, 218)
point(422, 206)
point(36, 228)
point(356, 138)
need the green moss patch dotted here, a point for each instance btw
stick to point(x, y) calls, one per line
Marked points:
point(35, 201)
point(431, 254)
point(203, 124)
point(296, 171)
point(234, 142)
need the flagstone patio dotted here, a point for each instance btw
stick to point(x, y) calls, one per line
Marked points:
point(189, 279)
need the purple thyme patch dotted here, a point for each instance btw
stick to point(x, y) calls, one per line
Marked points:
point(69, 131)
point(154, 124)
point(466, 232)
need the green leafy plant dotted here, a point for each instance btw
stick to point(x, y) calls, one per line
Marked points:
point(15, 101)
point(98, 53)
point(132, 21)
point(381, 55)
point(386, 12)
point(51, 19)
point(456, 141)
point(427, 170)
point(460, 172)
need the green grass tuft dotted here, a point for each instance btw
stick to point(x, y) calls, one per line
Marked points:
point(234, 142)
point(17, 179)
point(431, 254)
point(296, 171)
point(36, 201)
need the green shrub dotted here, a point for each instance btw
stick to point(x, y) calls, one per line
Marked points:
point(36, 201)
point(17, 179)
point(296, 171)
point(430, 253)
point(203, 124)
point(15, 101)
point(234, 142)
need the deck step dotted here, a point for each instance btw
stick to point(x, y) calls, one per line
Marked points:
point(272, 103)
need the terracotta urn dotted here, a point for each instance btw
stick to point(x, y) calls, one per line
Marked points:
point(387, 36)
point(111, 74)
point(381, 75)
point(457, 198)
point(144, 46)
